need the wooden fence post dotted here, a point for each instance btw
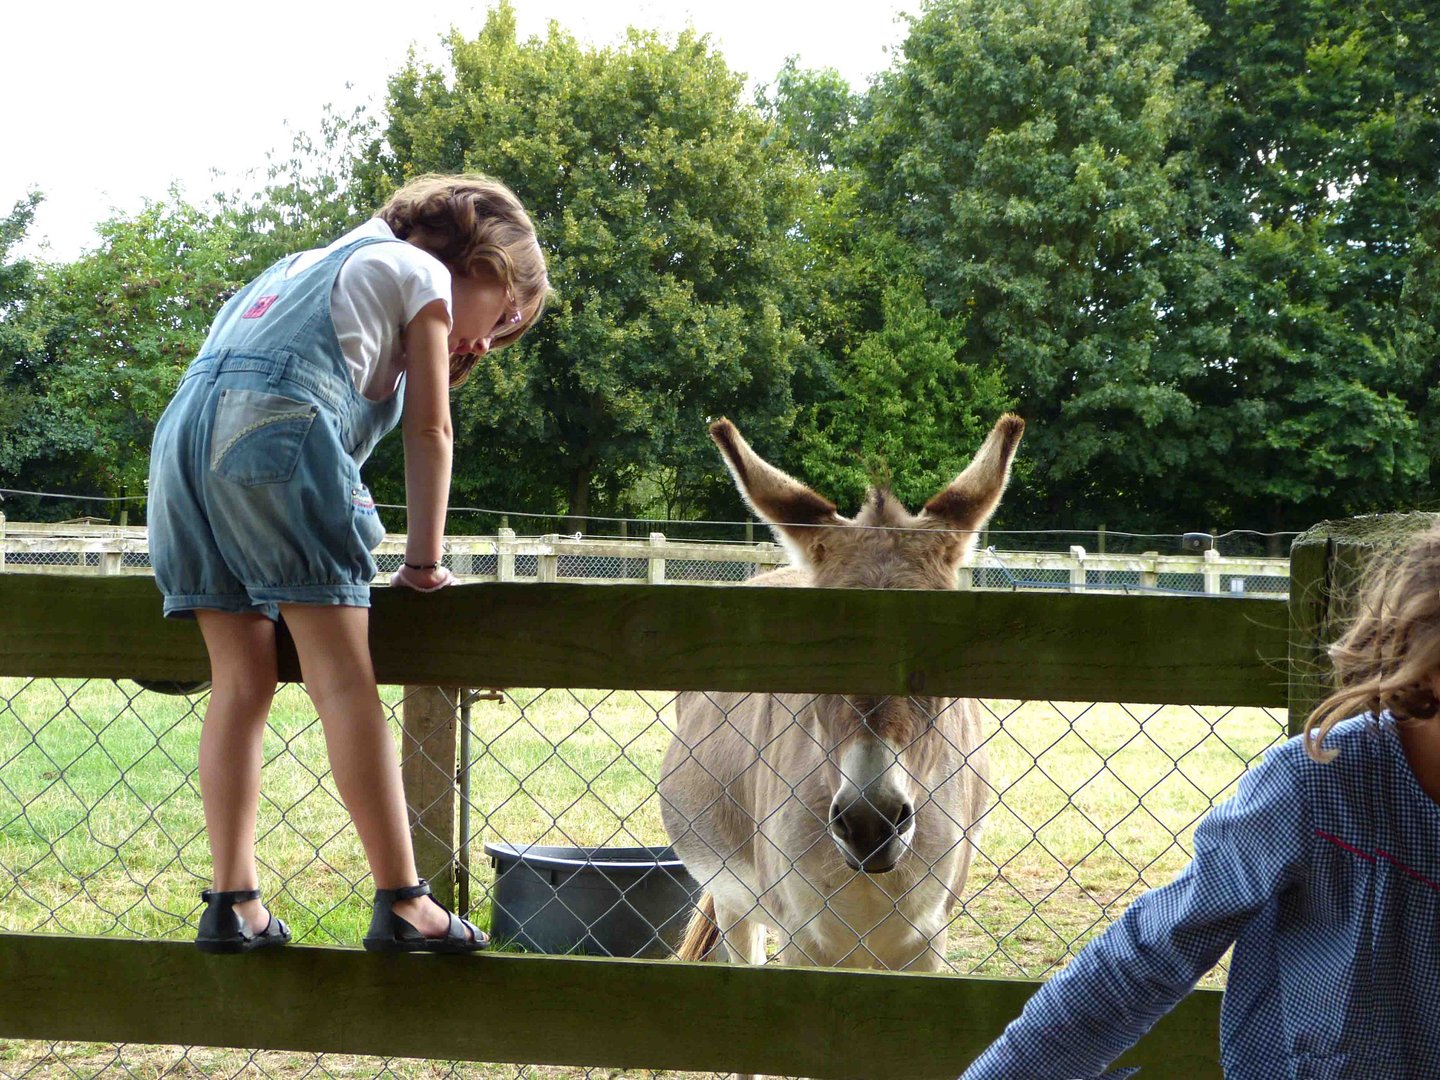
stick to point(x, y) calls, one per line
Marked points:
point(965, 576)
point(427, 759)
point(1077, 572)
point(1210, 575)
point(110, 558)
point(547, 564)
point(1326, 562)
point(505, 554)
point(656, 575)
point(1150, 577)
point(1100, 550)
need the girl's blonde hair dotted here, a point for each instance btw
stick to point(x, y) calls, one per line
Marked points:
point(476, 226)
point(1390, 653)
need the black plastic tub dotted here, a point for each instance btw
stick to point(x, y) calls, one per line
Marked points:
point(609, 901)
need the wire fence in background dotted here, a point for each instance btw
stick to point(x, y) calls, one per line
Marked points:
point(58, 508)
point(658, 559)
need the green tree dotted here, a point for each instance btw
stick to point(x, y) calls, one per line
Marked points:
point(1309, 178)
point(308, 197)
point(665, 210)
point(92, 350)
point(17, 279)
point(904, 409)
point(1409, 135)
point(816, 110)
point(1420, 325)
point(125, 320)
point(884, 395)
point(43, 446)
point(1024, 151)
point(19, 334)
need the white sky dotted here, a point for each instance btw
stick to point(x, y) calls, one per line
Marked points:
point(106, 103)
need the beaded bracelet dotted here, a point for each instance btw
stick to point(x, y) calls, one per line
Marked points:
point(422, 566)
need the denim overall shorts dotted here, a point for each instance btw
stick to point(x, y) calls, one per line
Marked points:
point(255, 495)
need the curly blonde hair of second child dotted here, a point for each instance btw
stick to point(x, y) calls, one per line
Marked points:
point(1389, 655)
point(477, 227)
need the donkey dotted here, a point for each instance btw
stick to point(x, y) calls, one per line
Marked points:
point(843, 823)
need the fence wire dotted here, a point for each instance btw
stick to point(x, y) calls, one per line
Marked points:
point(562, 844)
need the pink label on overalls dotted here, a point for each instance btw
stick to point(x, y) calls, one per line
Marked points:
point(260, 307)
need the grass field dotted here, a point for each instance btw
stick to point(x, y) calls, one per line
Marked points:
point(101, 830)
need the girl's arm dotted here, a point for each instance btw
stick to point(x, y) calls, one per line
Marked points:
point(429, 438)
point(1247, 850)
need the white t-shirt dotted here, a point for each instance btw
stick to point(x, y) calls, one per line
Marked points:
point(378, 291)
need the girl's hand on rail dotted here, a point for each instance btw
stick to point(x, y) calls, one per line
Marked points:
point(422, 580)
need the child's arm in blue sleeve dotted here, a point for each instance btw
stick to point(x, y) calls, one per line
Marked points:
point(1247, 850)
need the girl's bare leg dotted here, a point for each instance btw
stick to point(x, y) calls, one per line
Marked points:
point(334, 648)
point(242, 686)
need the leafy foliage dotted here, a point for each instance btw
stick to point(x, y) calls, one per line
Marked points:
point(124, 321)
point(1308, 196)
point(39, 444)
point(1025, 152)
point(665, 209)
point(904, 411)
point(1193, 242)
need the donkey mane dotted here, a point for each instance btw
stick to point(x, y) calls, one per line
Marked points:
point(886, 547)
point(882, 510)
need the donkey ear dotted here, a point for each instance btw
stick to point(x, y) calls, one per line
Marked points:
point(973, 495)
point(796, 514)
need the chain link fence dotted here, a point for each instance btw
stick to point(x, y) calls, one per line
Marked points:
point(101, 833)
point(1081, 571)
point(89, 549)
point(607, 569)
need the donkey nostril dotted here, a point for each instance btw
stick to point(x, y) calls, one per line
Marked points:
point(904, 815)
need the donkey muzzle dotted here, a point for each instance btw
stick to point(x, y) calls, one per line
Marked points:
point(871, 834)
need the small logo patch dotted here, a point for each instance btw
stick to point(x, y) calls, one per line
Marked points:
point(363, 502)
point(260, 307)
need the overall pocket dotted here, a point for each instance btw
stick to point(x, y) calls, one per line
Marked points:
point(368, 525)
point(257, 437)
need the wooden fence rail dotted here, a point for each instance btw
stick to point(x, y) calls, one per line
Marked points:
point(1180, 650)
point(649, 1014)
point(632, 1013)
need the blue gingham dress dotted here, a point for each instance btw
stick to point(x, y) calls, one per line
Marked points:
point(1326, 877)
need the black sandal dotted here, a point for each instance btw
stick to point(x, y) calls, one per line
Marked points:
point(390, 933)
point(223, 931)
